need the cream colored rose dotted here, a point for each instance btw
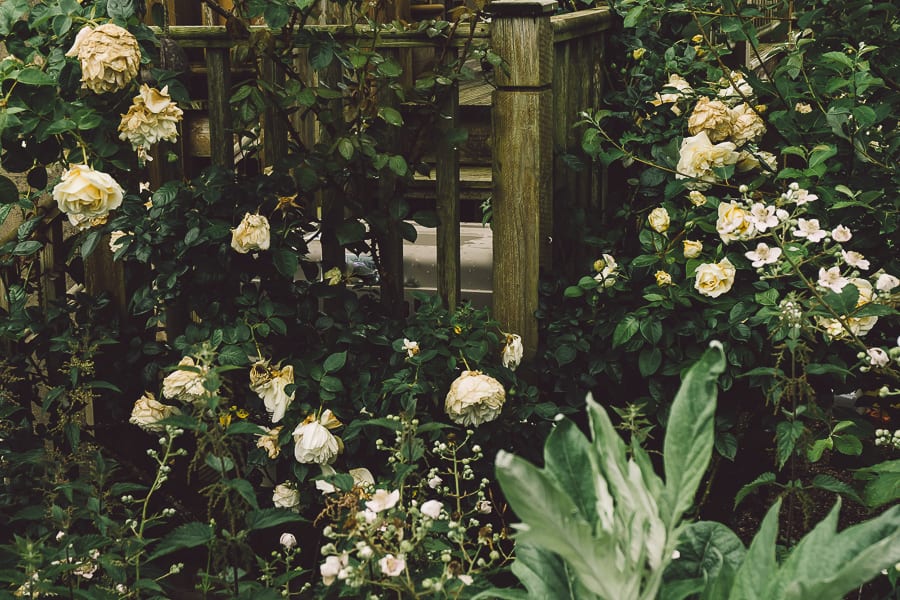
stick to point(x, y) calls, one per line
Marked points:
point(271, 388)
point(682, 87)
point(148, 412)
point(606, 268)
point(474, 399)
point(512, 351)
point(698, 157)
point(110, 57)
point(712, 117)
point(663, 279)
point(734, 222)
point(87, 196)
point(268, 441)
point(285, 495)
point(153, 117)
point(714, 279)
point(313, 443)
point(696, 198)
point(692, 248)
point(746, 125)
point(252, 234)
point(185, 384)
point(659, 219)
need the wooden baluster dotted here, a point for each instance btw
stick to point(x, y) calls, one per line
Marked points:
point(447, 194)
point(221, 137)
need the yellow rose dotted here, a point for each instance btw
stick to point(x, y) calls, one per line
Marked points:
point(692, 248)
point(696, 198)
point(698, 157)
point(110, 57)
point(663, 279)
point(251, 234)
point(734, 222)
point(152, 117)
point(714, 279)
point(682, 88)
point(659, 219)
point(746, 125)
point(711, 116)
point(474, 399)
point(86, 196)
point(638, 53)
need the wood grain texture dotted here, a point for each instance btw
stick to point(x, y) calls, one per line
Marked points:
point(447, 195)
point(525, 44)
point(221, 137)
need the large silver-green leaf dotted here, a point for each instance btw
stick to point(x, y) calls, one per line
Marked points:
point(759, 563)
point(690, 433)
point(567, 458)
point(826, 565)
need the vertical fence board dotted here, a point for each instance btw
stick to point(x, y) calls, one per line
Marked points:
point(221, 138)
point(447, 199)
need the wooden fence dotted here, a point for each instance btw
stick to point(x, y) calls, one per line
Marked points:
point(555, 67)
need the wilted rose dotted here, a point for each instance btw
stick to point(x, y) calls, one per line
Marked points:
point(512, 351)
point(474, 399)
point(110, 57)
point(313, 443)
point(152, 117)
point(682, 88)
point(148, 412)
point(252, 234)
point(86, 196)
point(714, 279)
point(663, 279)
point(268, 441)
point(271, 388)
point(606, 270)
point(711, 117)
point(185, 384)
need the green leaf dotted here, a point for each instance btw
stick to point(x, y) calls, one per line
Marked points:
point(818, 447)
point(286, 261)
point(848, 444)
point(759, 563)
point(786, 435)
point(189, 535)
point(883, 483)
point(707, 549)
point(220, 464)
point(331, 384)
point(398, 165)
point(345, 148)
point(625, 330)
point(26, 248)
point(567, 455)
point(833, 484)
point(391, 116)
point(335, 362)
point(271, 517)
point(9, 193)
point(232, 354)
point(688, 445)
point(633, 16)
point(245, 489)
point(764, 479)
point(350, 231)
point(543, 574)
point(90, 243)
point(649, 360)
point(34, 76)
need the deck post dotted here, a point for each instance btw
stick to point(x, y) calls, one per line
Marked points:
point(447, 192)
point(522, 35)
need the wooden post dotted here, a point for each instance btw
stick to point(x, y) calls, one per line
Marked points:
point(447, 195)
point(221, 138)
point(274, 127)
point(523, 162)
point(332, 201)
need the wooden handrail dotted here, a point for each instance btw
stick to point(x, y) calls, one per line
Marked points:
point(583, 23)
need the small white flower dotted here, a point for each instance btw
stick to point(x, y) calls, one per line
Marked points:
point(832, 279)
point(432, 508)
point(332, 567)
point(886, 283)
point(484, 507)
point(763, 255)
point(287, 540)
point(383, 500)
point(434, 482)
point(392, 566)
point(809, 229)
point(841, 234)
point(466, 579)
point(763, 217)
point(411, 347)
point(855, 259)
point(878, 357)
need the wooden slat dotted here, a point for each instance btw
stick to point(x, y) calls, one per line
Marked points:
point(583, 23)
point(447, 195)
point(221, 137)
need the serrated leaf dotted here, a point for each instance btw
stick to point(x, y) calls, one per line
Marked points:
point(271, 517)
point(189, 535)
point(764, 479)
point(786, 435)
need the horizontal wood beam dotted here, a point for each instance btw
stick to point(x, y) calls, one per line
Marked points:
point(583, 23)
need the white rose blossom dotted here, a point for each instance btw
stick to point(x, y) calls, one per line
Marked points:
point(110, 57)
point(746, 125)
point(270, 387)
point(285, 495)
point(692, 248)
point(392, 566)
point(832, 279)
point(252, 234)
point(841, 234)
point(714, 279)
point(432, 508)
point(87, 196)
point(185, 384)
point(606, 268)
point(383, 500)
point(474, 399)
point(287, 540)
point(855, 259)
point(314, 443)
point(512, 351)
point(698, 156)
point(763, 255)
point(886, 283)
point(682, 89)
point(148, 412)
point(658, 219)
point(734, 222)
point(877, 357)
point(809, 229)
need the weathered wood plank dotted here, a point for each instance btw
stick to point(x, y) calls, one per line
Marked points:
point(583, 23)
point(447, 195)
point(221, 137)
